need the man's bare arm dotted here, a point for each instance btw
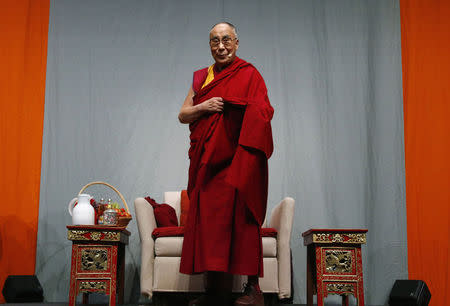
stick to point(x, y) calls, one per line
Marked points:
point(190, 112)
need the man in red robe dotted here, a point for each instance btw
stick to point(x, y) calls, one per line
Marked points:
point(231, 140)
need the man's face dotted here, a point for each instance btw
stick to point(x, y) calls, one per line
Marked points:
point(223, 43)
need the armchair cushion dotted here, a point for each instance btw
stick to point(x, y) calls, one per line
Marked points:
point(169, 241)
point(165, 214)
point(171, 246)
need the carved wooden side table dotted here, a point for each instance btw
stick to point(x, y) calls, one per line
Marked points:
point(98, 261)
point(334, 264)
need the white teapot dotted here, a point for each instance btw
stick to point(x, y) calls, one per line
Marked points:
point(83, 213)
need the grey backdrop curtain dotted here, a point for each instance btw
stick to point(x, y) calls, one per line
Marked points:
point(118, 72)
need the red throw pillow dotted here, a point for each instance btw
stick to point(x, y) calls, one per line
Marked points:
point(184, 205)
point(165, 214)
point(178, 231)
point(268, 232)
point(171, 231)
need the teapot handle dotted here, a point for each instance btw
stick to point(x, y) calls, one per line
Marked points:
point(71, 205)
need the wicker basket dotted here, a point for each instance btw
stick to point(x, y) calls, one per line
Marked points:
point(122, 221)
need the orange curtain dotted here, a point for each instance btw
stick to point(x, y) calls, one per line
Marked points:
point(23, 60)
point(425, 27)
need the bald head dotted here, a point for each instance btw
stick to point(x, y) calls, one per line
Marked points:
point(233, 28)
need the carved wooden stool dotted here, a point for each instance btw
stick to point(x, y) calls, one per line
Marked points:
point(334, 264)
point(98, 261)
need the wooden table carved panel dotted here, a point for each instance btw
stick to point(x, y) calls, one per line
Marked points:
point(98, 261)
point(334, 264)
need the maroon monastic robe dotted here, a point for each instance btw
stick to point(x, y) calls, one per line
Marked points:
point(228, 174)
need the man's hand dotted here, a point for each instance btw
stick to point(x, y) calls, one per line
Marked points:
point(190, 112)
point(213, 105)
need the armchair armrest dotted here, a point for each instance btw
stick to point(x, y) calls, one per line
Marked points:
point(146, 224)
point(281, 219)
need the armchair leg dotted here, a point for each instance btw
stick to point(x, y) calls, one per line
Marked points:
point(160, 299)
point(271, 299)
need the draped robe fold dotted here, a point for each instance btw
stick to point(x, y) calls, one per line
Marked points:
point(228, 174)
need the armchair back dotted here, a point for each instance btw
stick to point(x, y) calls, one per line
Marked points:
point(173, 198)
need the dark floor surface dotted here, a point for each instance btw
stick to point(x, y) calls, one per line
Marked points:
point(176, 300)
point(65, 304)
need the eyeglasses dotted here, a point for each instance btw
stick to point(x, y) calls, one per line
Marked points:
point(226, 41)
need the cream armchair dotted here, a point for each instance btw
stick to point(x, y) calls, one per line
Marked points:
point(160, 258)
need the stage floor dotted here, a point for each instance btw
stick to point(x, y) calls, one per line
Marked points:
point(65, 304)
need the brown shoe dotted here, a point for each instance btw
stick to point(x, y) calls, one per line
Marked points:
point(253, 296)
